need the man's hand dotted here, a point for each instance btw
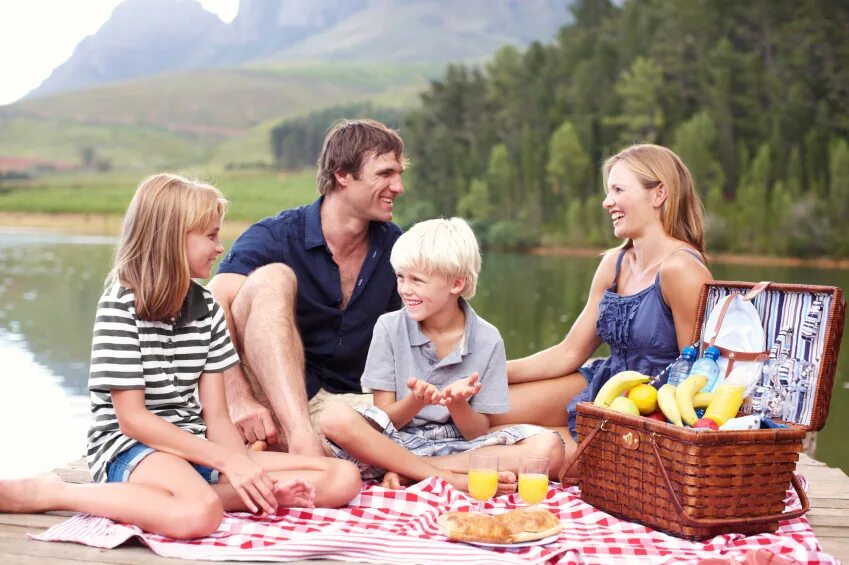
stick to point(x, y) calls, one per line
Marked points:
point(253, 420)
point(424, 391)
point(461, 390)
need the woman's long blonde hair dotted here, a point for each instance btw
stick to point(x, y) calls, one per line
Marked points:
point(682, 214)
point(151, 257)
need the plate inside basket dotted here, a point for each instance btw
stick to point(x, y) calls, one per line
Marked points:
point(543, 541)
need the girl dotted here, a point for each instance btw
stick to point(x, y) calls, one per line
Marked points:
point(643, 298)
point(162, 450)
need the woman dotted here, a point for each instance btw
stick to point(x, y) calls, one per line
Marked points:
point(643, 298)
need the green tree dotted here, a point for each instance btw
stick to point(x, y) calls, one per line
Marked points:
point(642, 116)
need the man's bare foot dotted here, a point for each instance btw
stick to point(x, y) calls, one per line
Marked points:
point(36, 494)
point(295, 493)
point(394, 481)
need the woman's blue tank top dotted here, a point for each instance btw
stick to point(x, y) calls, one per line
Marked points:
point(640, 332)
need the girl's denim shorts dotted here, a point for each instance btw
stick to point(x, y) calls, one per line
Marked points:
point(118, 470)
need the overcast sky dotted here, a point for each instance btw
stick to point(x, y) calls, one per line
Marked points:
point(36, 36)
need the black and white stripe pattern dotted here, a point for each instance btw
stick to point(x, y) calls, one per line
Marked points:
point(163, 359)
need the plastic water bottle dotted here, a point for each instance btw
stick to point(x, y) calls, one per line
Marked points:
point(681, 367)
point(707, 366)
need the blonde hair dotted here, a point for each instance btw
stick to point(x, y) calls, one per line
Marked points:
point(442, 247)
point(151, 257)
point(682, 214)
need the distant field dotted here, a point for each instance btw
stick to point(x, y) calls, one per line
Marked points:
point(124, 146)
point(253, 195)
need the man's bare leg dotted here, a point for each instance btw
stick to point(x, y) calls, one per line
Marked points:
point(268, 339)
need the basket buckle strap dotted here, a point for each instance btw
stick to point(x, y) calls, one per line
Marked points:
point(736, 521)
point(562, 475)
point(756, 290)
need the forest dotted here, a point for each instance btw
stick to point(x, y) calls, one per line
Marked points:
point(754, 96)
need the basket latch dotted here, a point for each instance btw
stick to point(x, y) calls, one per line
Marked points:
point(631, 440)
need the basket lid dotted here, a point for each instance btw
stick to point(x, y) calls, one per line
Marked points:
point(799, 321)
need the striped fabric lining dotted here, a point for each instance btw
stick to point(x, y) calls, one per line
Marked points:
point(794, 324)
point(163, 359)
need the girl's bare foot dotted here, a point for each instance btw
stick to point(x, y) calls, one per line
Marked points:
point(296, 493)
point(36, 494)
point(394, 481)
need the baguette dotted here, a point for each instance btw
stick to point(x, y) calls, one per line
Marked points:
point(514, 526)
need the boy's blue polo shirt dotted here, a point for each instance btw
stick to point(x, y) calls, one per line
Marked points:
point(336, 341)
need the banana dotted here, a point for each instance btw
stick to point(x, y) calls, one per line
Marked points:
point(668, 404)
point(702, 399)
point(684, 394)
point(616, 385)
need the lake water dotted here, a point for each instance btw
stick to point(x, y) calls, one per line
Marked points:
point(49, 285)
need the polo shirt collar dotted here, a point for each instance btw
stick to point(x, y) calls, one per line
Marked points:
point(194, 306)
point(418, 338)
point(313, 236)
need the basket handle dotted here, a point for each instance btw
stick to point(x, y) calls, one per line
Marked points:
point(562, 477)
point(710, 522)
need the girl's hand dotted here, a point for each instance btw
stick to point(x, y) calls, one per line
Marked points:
point(253, 485)
point(424, 391)
point(461, 390)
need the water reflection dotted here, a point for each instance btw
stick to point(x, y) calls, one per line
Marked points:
point(49, 286)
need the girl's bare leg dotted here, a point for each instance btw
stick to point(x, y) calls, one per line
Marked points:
point(165, 495)
point(335, 482)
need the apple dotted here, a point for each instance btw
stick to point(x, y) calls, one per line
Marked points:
point(657, 415)
point(706, 423)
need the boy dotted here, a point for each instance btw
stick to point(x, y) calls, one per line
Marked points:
point(437, 371)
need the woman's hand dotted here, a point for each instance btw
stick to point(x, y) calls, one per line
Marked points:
point(424, 392)
point(253, 485)
point(461, 390)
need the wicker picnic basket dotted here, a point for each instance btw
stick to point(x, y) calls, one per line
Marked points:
point(695, 484)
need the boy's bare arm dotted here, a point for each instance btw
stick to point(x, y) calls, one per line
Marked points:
point(399, 411)
point(471, 424)
point(456, 397)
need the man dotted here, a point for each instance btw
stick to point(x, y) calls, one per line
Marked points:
point(303, 290)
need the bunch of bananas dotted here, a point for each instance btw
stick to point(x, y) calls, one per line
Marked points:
point(678, 404)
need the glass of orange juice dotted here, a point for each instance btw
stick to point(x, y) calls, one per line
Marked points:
point(533, 479)
point(483, 477)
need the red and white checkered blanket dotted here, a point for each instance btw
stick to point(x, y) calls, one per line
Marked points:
point(388, 526)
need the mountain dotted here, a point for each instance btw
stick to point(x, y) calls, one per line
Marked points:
point(141, 38)
point(149, 37)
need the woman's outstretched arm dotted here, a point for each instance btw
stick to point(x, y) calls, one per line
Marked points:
point(568, 355)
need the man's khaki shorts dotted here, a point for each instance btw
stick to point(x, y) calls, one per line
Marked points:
point(322, 397)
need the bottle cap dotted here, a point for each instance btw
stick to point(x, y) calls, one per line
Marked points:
point(689, 352)
point(712, 352)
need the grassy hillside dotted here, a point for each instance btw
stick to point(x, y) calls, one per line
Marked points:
point(125, 146)
point(225, 102)
point(252, 194)
point(197, 117)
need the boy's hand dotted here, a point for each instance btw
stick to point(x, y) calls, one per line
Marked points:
point(424, 391)
point(461, 390)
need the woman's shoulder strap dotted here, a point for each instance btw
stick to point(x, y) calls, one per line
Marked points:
point(618, 267)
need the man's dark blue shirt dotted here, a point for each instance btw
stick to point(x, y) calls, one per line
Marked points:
point(336, 341)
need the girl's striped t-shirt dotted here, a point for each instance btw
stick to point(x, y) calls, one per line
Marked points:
point(165, 359)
